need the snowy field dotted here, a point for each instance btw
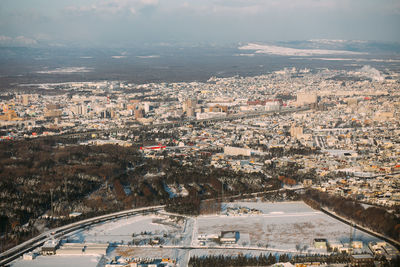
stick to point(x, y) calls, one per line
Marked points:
point(60, 261)
point(121, 231)
point(287, 227)
point(281, 226)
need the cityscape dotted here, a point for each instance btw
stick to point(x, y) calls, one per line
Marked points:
point(150, 152)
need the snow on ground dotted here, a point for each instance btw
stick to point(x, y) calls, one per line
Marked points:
point(142, 252)
point(59, 261)
point(67, 70)
point(281, 226)
point(268, 207)
point(121, 230)
point(287, 51)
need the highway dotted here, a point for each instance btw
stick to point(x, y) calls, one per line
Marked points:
point(17, 251)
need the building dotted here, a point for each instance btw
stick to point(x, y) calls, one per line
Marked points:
point(189, 106)
point(25, 100)
point(139, 113)
point(209, 115)
point(29, 256)
point(229, 237)
point(320, 243)
point(362, 260)
point(10, 115)
point(71, 249)
point(52, 111)
point(296, 131)
point(306, 99)
point(218, 108)
point(273, 105)
point(95, 248)
point(357, 244)
point(307, 182)
point(237, 151)
point(191, 112)
point(50, 247)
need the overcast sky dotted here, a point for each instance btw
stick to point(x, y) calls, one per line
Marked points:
point(125, 22)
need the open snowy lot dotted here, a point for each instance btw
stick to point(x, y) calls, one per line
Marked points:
point(287, 227)
point(60, 261)
point(281, 226)
point(122, 230)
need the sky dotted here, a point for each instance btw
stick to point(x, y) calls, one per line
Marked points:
point(111, 23)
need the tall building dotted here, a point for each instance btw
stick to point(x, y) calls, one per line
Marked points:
point(296, 131)
point(53, 111)
point(25, 100)
point(306, 99)
point(139, 113)
point(189, 106)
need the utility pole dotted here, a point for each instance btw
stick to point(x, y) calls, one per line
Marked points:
point(51, 199)
point(351, 239)
point(65, 188)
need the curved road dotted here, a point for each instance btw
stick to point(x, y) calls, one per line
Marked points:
point(15, 252)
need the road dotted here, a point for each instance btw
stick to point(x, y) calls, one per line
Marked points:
point(183, 255)
point(17, 251)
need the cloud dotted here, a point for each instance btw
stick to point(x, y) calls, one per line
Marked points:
point(17, 41)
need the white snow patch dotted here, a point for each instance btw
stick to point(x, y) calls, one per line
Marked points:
point(287, 51)
point(59, 261)
point(282, 226)
point(67, 70)
point(121, 230)
point(149, 56)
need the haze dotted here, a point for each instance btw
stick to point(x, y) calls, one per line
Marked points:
point(118, 23)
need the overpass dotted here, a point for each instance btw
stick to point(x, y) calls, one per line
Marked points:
point(17, 251)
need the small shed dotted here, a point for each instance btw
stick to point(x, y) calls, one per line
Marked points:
point(320, 243)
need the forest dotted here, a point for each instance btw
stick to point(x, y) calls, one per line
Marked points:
point(43, 180)
point(265, 260)
point(270, 259)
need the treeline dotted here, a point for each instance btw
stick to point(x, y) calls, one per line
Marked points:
point(266, 260)
point(341, 258)
point(184, 205)
point(325, 259)
point(278, 152)
point(375, 218)
point(240, 260)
